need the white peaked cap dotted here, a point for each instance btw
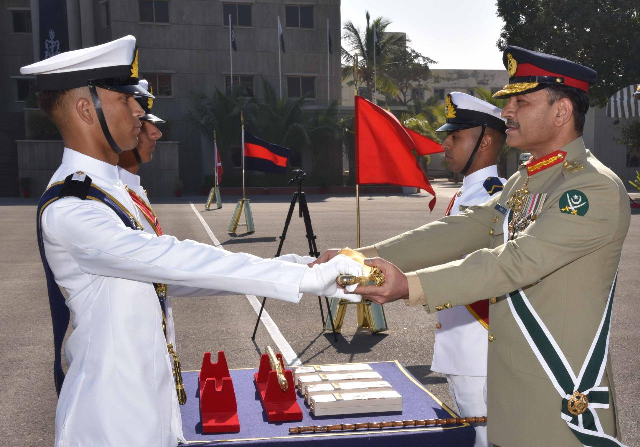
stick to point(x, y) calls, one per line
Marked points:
point(112, 65)
point(464, 111)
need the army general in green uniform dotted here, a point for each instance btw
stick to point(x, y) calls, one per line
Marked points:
point(545, 252)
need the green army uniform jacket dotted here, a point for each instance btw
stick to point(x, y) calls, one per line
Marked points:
point(565, 261)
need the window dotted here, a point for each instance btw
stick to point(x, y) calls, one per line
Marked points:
point(417, 93)
point(24, 87)
point(299, 17)
point(240, 14)
point(160, 83)
point(245, 81)
point(156, 11)
point(298, 86)
point(105, 16)
point(21, 21)
point(439, 93)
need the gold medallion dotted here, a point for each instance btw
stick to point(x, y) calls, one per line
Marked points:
point(512, 65)
point(578, 403)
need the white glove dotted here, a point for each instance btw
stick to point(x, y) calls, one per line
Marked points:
point(296, 259)
point(321, 279)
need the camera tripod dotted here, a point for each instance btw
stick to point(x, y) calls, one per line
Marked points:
point(303, 212)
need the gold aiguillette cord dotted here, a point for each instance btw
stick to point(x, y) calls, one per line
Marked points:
point(386, 424)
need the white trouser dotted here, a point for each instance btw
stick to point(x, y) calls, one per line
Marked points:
point(470, 396)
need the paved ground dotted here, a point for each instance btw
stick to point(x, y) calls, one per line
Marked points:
point(209, 324)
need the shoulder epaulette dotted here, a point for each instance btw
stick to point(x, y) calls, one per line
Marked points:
point(493, 185)
point(76, 185)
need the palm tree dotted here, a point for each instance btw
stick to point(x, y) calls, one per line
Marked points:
point(360, 43)
point(220, 112)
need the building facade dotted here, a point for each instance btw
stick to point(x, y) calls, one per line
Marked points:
point(184, 48)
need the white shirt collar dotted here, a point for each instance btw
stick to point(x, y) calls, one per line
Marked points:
point(479, 176)
point(128, 178)
point(90, 165)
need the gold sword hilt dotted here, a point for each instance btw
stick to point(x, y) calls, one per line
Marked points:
point(277, 367)
point(372, 276)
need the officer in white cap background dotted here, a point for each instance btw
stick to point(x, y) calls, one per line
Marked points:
point(119, 388)
point(475, 135)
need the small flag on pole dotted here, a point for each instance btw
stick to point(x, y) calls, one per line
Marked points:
point(233, 36)
point(281, 34)
point(262, 156)
point(219, 169)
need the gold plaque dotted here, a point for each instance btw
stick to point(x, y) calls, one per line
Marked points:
point(371, 276)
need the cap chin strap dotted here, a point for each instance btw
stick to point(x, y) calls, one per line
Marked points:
point(137, 155)
point(475, 151)
point(103, 122)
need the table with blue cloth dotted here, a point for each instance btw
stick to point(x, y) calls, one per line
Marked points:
point(417, 403)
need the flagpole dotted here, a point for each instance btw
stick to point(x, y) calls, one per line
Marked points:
point(279, 58)
point(242, 121)
point(355, 94)
point(328, 70)
point(375, 72)
point(230, 58)
point(215, 160)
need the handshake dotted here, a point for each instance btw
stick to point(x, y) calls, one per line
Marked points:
point(346, 274)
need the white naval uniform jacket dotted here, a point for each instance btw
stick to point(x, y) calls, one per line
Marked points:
point(119, 388)
point(132, 181)
point(461, 342)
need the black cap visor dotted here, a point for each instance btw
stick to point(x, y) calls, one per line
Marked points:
point(152, 119)
point(134, 90)
point(451, 125)
point(470, 118)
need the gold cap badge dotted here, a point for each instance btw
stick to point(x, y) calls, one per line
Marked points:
point(449, 108)
point(512, 65)
point(134, 66)
point(150, 100)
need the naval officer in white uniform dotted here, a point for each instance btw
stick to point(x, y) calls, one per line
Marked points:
point(119, 387)
point(475, 135)
point(128, 167)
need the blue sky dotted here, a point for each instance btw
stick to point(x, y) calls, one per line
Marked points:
point(455, 33)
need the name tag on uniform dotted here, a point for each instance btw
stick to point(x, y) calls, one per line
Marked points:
point(501, 209)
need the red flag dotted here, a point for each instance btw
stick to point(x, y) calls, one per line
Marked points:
point(384, 149)
point(424, 145)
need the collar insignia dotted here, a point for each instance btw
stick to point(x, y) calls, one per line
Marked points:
point(449, 108)
point(512, 65)
point(535, 166)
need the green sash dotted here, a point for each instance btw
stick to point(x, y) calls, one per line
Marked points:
point(580, 395)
